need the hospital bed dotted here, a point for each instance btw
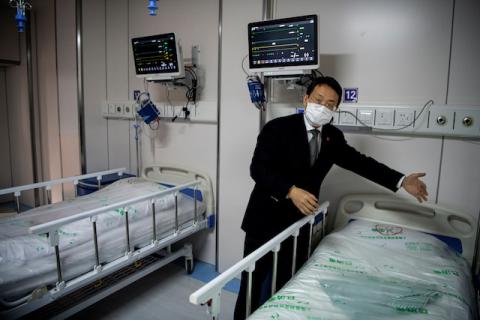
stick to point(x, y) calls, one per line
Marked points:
point(388, 258)
point(58, 259)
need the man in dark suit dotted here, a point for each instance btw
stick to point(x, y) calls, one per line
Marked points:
point(292, 157)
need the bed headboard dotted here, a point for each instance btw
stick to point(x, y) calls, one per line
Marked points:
point(171, 174)
point(408, 213)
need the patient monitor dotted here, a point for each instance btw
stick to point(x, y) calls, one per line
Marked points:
point(284, 46)
point(158, 57)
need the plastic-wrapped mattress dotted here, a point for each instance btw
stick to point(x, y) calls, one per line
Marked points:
point(374, 271)
point(28, 262)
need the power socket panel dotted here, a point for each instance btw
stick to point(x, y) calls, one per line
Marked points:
point(436, 120)
point(119, 110)
point(404, 118)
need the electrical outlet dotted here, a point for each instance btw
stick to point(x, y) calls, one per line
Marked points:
point(404, 117)
point(347, 117)
point(384, 117)
point(365, 117)
point(119, 109)
point(467, 121)
point(129, 110)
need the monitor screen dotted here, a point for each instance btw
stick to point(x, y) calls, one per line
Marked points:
point(157, 56)
point(289, 43)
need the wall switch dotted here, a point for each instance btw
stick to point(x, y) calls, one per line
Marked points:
point(384, 117)
point(365, 117)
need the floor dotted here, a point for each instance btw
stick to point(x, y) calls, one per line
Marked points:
point(162, 295)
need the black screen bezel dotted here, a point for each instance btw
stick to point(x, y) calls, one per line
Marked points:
point(280, 21)
point(157, 36)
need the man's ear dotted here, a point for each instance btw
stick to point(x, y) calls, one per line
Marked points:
point(305, 98)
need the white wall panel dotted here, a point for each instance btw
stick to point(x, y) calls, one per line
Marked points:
point(5, 166)
point(464, 81)
point(94, 81)
point(67, 91)
point(119, 144)
point(239, 127)
point(48, 92)
point(187, 145)
point(117, 46)
point(19, 122)
point(460, 177)
point(393, 51)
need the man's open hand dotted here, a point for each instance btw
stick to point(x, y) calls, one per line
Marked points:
point(416, 187)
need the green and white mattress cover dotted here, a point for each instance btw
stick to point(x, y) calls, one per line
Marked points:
point(374, 271)
point(27, 261)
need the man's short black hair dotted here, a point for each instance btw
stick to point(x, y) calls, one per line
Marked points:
point(329, 81)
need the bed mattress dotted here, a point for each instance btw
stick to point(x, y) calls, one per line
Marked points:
point(374, 271)
point(28, 262)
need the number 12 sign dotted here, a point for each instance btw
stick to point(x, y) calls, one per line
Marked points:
point(350, 95)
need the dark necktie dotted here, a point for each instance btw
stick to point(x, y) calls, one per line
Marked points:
point(313, 143)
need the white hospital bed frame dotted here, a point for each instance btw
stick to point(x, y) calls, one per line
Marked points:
point(180, 177)
point(210, 293)
point(385, 209)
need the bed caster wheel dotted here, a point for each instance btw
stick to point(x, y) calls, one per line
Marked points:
point(189, 265)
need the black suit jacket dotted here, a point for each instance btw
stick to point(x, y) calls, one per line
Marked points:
point(282, 159)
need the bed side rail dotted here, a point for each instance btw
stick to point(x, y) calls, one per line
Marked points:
point(50, 228)
point(210, 293)
point(16, 191)
point(174, 174)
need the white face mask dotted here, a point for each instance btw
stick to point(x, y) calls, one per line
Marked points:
point(318, 115)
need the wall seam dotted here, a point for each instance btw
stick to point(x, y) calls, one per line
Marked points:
point(31, 107)
point(446, 101)
point(450, 52)
point(43, 162)
point(219, 97)
point(106, 80)
point(8, 127)
point(80, 92)
point(58, 97)
point(128, 90)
